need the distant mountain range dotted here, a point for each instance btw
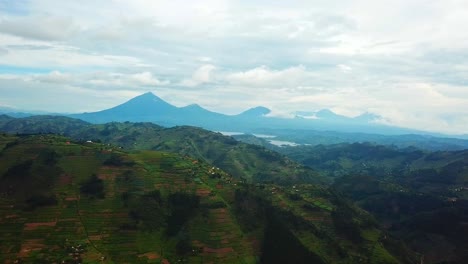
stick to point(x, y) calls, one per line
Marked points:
point(321, 127)
point(150, 108)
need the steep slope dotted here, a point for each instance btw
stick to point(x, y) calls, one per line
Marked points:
point(100, 205)
point(150, 108)
point(252, 163)
point(146, 107)
point(419, 196)
point(258, 111)
point(249, 162)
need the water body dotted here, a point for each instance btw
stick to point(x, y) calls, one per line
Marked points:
point(264, 136)
point(281, 143)
point(230, 133)
point(269, 138)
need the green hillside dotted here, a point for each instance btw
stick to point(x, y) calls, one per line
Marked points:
point(419, 196)
point(69, 202)
point(249, 162)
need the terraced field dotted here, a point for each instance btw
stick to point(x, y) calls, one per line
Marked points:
point(85, 228)
point(69, 202)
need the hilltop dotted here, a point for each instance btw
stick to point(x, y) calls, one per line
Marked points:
point(250, 162)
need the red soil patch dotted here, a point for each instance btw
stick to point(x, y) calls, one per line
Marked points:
point(162, 185)
point(107, 176)
point(221, 220)
point(33, 226)
point(150, 255)
point(217, 234)
point(197, 243)
point(219, 186)
point(97, 237)
point(220, 210)
point(65, 179)
point(30, 245)
point(218, 250)
point(69, 220)
point(220, 215)
point(165, 261)
point(203, 192)
point(224, 241)
point(70, 199)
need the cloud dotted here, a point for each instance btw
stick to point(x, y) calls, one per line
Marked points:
point(263, 76)
point(344, 68)
point(404, 60)
point(39, 27)
point(54, 77)
point(41, 54)
point(3, 51)
point(202, 75)
point(147, 79)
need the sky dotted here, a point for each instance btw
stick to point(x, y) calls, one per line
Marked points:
point(404, 60)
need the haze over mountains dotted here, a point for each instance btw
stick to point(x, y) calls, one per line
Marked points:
point(410, 192)
point(321, 127)
point(150, 108)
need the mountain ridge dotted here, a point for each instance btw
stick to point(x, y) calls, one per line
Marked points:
point(150, 108)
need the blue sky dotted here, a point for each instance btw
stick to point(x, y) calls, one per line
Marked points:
point(406, 61)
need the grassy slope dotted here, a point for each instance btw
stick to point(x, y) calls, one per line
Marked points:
point(218, 229)
point(249, 162)
point(411, 192)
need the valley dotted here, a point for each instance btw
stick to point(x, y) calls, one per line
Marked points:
point(144, 193)
point(100, 204)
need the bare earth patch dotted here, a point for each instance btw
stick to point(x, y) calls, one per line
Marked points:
point(65, 179)
point(31, 245)
point(220, 251)
point(203, 192)
point(33, 226)
point(150, 255)
point(95, 237)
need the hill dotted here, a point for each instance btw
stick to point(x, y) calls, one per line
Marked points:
point(68, 202)
point(316, 137)
point(419, 196)
point(249, 162)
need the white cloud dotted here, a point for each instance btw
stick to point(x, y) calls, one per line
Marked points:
point(263, 76)
point(404, 60)
point(344, 68)
point(54, 77)
point(201, 76)
point(39, 27)
point(147, 79)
